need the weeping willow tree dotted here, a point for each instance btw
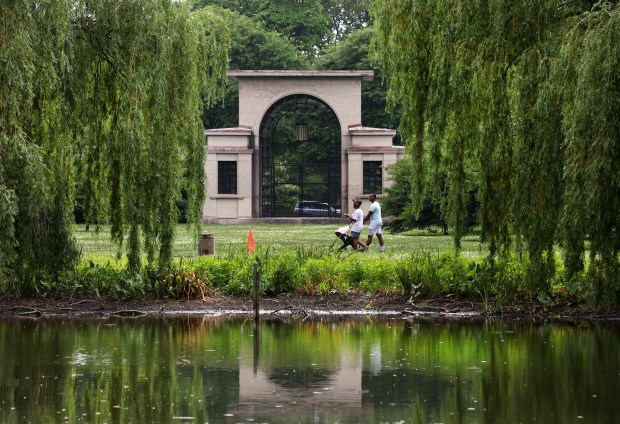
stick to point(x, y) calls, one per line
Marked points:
point(35, 145)
point(590, 61)
point(140, 107)
point(523, 99)
point(112, 89)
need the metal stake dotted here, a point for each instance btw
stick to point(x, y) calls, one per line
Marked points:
point(256, 292)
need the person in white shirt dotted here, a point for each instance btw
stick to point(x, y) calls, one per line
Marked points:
point(374, 227)
point(357, 224)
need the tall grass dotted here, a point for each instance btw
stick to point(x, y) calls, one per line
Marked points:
point(306, 259)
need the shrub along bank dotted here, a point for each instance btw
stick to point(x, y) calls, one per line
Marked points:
point(312, 271)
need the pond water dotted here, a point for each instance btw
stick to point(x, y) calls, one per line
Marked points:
point(345, 370)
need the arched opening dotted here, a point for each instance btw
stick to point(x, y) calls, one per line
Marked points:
point(300, 159)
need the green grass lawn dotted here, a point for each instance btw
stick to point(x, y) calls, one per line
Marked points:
point(98, 246)
point(413, 260)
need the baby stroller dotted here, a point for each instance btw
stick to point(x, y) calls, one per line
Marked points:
point(343, 234)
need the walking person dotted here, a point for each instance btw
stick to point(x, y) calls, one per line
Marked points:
point(374, 227)
point(357, 224)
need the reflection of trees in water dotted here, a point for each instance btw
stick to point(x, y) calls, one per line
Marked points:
point(300, 378)
point(151, 370)
point(120, 370)
point(405, 387)
point(298, 354)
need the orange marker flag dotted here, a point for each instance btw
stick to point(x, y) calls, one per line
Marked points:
point(250, 242)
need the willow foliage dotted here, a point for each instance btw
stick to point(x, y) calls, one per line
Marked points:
point(143, 138)
point(522, 100)
point(35, 146)
point(591, 125)
point(108, 93)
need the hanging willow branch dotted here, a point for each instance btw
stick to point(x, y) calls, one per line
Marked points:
point(147, 65)
point(104, 96)
point(523, 99)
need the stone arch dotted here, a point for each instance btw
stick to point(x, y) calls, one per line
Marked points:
point(234, 165)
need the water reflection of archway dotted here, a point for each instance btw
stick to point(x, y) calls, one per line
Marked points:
point(299, 156)
point(292, 378)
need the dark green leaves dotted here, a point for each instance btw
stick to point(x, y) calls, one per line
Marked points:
point(522, 98)
point(109, 92)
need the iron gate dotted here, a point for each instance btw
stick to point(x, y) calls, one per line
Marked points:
point(300, 159)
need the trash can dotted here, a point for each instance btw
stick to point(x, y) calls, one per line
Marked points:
point(206, 245)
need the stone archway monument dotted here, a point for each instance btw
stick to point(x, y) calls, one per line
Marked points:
point(240, 185)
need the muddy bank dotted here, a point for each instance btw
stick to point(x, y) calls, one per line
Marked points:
point(301, 306)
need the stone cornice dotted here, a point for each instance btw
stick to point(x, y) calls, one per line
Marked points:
point(376, 149)
point(226, 149)
point(239, 74)
point(240, 130)
point(358, 129)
